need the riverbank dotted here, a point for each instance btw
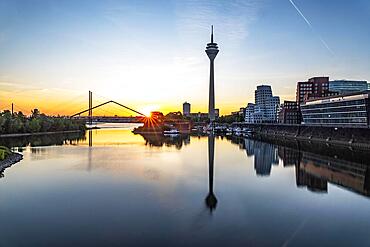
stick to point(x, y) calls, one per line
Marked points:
point(10, 160)
point(40, 133)
point(344, 136)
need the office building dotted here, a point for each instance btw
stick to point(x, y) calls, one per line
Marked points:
point(265, 108)
point(249, 113)
point(344, 110)
point(266, 105)
point(314, 88)
point(186, 109)
point(289, 113)
point(347, 86)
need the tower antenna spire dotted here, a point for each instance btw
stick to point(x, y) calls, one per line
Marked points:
point(212, 34)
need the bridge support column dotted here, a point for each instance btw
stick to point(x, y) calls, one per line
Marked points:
point(90, 106)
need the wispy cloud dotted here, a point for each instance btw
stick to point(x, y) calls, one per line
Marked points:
point(231, 18)
point(311, 27)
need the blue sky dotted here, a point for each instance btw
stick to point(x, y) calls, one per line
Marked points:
point(151, 53)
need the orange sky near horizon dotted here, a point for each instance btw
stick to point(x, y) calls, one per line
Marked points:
point(53, 102)
point(152, 56)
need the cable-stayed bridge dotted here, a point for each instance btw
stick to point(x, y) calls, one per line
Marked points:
point(110, 118)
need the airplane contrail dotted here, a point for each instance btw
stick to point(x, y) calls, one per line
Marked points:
point(311, 27)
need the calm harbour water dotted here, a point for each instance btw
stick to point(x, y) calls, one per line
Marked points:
point(133, 190)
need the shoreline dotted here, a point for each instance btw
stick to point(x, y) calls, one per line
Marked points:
point(39, 133)
point(12, 159)
point(333, 135)
point(361, 145)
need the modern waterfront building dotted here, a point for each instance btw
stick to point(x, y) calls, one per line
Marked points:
point(249, 113)
point(344, 110)
point(266, 105)
point(289, 113)
point(314, 88)
point(240, 115)
point(212, 51)
point(265, 108)
point(347, 86)
point(186, 109)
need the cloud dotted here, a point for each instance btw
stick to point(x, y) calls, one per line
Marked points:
point(311, 27)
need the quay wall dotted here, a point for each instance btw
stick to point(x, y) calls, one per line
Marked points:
point(357, 137)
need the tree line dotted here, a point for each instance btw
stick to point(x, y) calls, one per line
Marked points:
point(37, 122)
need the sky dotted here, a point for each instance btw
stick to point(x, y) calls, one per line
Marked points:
point(149, 55)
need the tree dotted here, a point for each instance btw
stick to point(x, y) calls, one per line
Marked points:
point(35, 113)
point(34, 125)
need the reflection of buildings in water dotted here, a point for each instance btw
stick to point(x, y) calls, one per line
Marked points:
point(292, 157)
point(313, 171)
point(237, 141)
point(265, 155)
point(158, 140)
point(186, 140)
point(289, 156)
point(249, 146)
point(350, 175)
point(211, 200)
point(314, 184)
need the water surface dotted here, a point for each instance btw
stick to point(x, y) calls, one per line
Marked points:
point(113, 188)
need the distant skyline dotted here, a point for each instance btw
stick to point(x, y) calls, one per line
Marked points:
point(151, 54)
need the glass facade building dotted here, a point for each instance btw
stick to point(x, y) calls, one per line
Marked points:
point(343, 110)
point(347, 86)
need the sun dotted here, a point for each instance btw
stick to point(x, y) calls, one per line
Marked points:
point(146, 110)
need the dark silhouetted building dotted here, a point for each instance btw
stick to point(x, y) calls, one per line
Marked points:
point(217, 113)
point(186, 109)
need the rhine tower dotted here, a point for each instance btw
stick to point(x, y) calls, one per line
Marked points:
point(211, 50)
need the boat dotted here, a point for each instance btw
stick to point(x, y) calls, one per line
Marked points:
point(171, 132)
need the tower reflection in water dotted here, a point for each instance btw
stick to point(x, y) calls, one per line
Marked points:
point(89, 152)
point(211, 200)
